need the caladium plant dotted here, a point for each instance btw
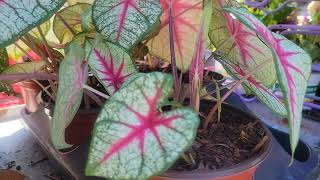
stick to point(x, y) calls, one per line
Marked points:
point(293, 66)
point(186, 15)
point(138, 140)
point(126, 22)
point(111, 63)
point(73, 77)
point(20, 16)
point(134, 136)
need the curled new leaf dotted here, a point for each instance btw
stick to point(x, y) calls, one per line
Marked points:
point(17, 17)
point(126, 22)
point(293, 66)
point(72, 77)
point(111, 64)
point(132, 139)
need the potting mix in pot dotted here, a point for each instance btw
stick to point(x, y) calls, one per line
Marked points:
point(144, 59)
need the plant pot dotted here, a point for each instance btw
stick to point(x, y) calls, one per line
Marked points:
point(305, 160)
point(30, 91)
point(243, 171)
point(70, 162)
point(79, 130)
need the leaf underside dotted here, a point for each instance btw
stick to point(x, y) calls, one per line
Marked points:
point(72, 16)
point(187, 16)
point(17, 17)
point(126, 22)
point(240, 44)
point(110, 63)
point(72, 77)
point(242, 50)
point(132, 139)
point(293, 66)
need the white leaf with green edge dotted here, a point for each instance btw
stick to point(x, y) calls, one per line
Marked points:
point(126, 22)
point(72, 16)
point(239, 44)
point(293, 66)
point(4, 60)
point(72, 77)
point(17, 17)
point(86, 21)
point(111, 64)
point(187, 18)
point(132, 139)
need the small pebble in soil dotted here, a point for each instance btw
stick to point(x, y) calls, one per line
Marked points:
point(18, 168)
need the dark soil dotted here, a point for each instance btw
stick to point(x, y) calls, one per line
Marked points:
point(234, 139)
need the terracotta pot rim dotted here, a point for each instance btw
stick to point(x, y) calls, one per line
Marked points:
point(250, 163)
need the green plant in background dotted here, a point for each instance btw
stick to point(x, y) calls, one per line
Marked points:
point(134, 138)
point(288, 12)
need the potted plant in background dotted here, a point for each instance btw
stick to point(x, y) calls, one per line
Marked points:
point(152, 121)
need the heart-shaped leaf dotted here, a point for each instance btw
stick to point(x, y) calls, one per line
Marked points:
point(72, 77)
point(293, 66)
point(186, 23)
point(4, 60)
point(240, 44)
point(17, 17)
point(132, 139)
point(126, 22)
point(110, 63)
point(72, 15)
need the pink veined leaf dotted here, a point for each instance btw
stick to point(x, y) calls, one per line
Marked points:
point(264, 94)
point(186, 17)
point(72, 77)
point(110, 63)
point(126, 22)
point(132, 135)
point(240, 44)
point(293, 66)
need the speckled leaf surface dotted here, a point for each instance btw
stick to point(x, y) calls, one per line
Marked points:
point(293, 66)
point(187, 16)
point(264, 94)
point(126, 22)
point(240, 44)
point(17, 17)
point(72, 16)
point(132, 139)
point(4, 60)
point(87, 21)
point(110, 63)
point(72, 77)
